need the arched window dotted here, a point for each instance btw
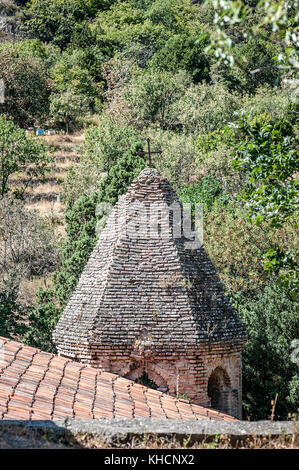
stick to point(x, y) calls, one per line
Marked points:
point(219, 390)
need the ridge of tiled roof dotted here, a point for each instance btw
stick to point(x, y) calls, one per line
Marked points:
point(36, 385)
point(155, 283)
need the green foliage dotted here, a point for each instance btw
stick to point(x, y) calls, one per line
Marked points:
point(162, 31)
point(47, 54)
point(173, 14)
point(144, 380)
point(205, 108)
point(19, 152)
point(151, 95)
point(272, 322)
point(237, 247)
point(27, 88)
point(177, 161)
point(271, 162)
point(12, 314)
point(68, 109)
point(43, 319)
point(274, 102)
point(70, 74)
point(105, 143)
point(183, 51)
point(81, 238)
point(254, 66)
point(122, 174)
point(29, 247)
point(205, 192)
point(55, 20)
point(284, 263)
point(269, 15)
point(81, 220)
point(269, 158)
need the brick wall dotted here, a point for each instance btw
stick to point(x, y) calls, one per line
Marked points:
point(214, 369)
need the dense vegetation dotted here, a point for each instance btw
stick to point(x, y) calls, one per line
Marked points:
point(127, 70)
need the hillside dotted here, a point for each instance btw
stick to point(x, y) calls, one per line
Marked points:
point(214, 89)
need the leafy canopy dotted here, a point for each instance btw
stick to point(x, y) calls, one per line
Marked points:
point(19, 152)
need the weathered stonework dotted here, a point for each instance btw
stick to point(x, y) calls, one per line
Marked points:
point(151, 302)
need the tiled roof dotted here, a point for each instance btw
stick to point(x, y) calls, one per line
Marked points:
point(36, 385)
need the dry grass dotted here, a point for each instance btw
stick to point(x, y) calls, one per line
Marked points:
point(44, 191)
point(19, 437)
point(28, 288)
point(48, 208)
point(45, 188)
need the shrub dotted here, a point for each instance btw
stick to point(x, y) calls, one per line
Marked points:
point(183, 51)
point(20, 153)
point(203, 108)
point(205, 192)
point(151, 95)
point(177, 162)
point(70, 73)
point(237, 247)
point(272, 323)
point(68, 109)
point(27, 88)
point(254, 66)
point(105, 143)
point(55, 20)
point(28, 246)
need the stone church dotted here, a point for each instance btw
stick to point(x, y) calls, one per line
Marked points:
point(149, 304)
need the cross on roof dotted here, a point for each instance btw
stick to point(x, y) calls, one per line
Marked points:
point(149, 153)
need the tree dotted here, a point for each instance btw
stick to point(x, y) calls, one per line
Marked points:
point(272, 323)
point(254, 65)
point(67, 109)
point(122, 174)
point(42, 320)
point(151, 95)
point(279, 17)
point(105, 143)
point(269, 157)
point(20, 153)
point(71, 74)
point(183, 51)
point(207, 191)
point(27, 88)
point(271, 161)
point(12, 314)
point(28, 245)
point(55, 20)
point(28, 248)
point(35, 49)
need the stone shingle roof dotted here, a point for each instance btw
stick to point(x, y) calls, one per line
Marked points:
point(36, 385)
point(137, 287)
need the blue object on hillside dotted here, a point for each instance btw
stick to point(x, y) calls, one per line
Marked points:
point(40, 132)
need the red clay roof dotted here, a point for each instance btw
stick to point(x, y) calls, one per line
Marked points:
point(36, 385)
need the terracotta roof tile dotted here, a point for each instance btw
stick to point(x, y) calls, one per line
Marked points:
point(38, 385)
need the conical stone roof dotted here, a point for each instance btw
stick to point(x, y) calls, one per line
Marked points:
point(145, 286)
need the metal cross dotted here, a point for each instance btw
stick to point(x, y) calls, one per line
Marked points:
point(149, 153)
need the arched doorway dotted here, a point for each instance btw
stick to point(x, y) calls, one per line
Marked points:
point(219, 390)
